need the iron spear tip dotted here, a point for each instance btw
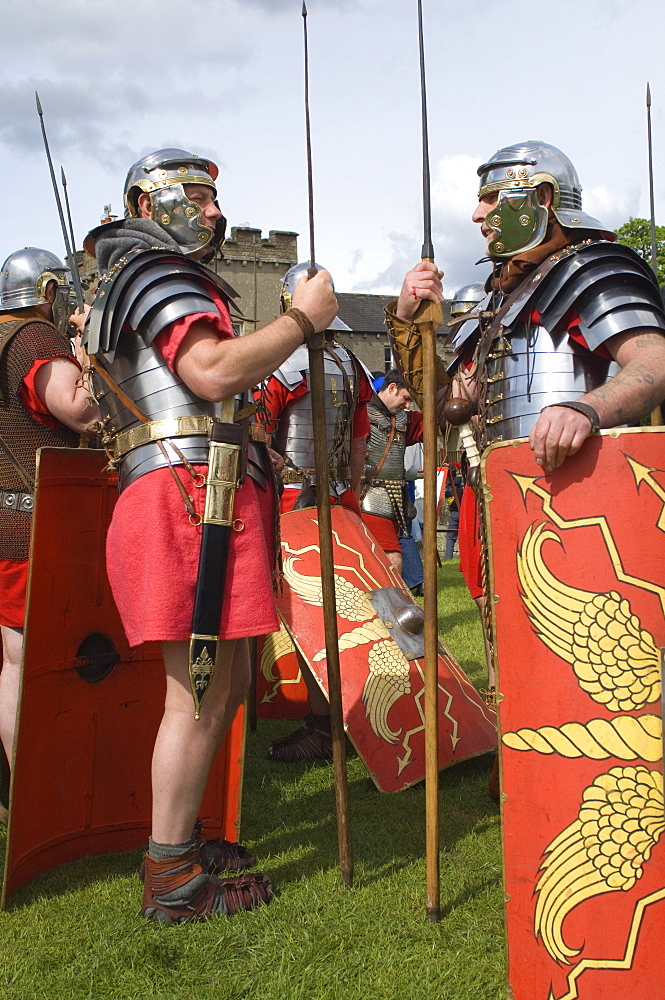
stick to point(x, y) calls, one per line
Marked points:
point(62, 176)
point(39, 105)
point(648, 95)
point(304, 9)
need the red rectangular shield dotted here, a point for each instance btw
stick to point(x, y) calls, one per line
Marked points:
point(382, 682)
point(578, 586)
point(90, 706)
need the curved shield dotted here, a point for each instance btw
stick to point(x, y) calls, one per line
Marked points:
point(381, 653)
point(577, 561)
point(89, 706)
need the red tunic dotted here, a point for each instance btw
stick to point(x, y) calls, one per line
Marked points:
point(152, 550)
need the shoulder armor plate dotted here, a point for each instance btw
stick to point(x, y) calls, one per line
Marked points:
point(151, 290)
point(612, 289)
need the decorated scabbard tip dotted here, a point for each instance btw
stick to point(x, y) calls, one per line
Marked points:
point(201, 669)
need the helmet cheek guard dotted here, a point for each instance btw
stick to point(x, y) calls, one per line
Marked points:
point(180, 217)
point(518, 221)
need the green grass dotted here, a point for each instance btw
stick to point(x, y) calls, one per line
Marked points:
point(76, 932)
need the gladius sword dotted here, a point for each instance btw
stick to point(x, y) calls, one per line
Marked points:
point(317, 396)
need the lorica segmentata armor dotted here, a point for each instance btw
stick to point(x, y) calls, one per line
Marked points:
point(294, 435)
point(133, 305)
point(599, 288)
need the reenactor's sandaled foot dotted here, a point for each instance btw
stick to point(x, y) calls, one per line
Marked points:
point(309, 741)
point(178, 890)
point(220, 855)
point(217, 856)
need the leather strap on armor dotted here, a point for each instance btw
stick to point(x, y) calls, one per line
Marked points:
point(406, 339)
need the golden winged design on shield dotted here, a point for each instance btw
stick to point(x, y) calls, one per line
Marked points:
point(388, 677)
point(621, 816)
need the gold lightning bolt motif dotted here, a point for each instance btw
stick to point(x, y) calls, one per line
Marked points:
point(528, 484)
point(603, 850)
point(644, 474)
point(615, 660)
point(618, 964)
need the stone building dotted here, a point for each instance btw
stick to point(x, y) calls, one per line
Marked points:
point(254, 266)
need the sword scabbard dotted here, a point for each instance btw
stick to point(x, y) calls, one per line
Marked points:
point(224, 473)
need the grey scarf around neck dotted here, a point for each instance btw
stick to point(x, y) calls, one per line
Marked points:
point(133, 234)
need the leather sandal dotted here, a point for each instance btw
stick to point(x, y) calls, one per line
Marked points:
point(313, 740)
point(216, 855)
point(221, 855)
point(178, 890)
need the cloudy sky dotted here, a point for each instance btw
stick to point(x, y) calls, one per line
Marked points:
point(224, 78)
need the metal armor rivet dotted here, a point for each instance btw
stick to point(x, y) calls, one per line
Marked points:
point(524, 220)
point(522, 172)
point(510, 172)
point(573, 219)
point(496, 220)
point(203, 237)
point(165, 219)
point(182, 170)
point(498, 246)
point(190, 212)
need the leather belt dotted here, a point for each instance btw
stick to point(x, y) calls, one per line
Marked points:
point(171, 427)
point(291, 476)
point(15, 500)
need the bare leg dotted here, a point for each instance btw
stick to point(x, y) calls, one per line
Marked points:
point(10, 678)
point(185, 747)
point(395, 560)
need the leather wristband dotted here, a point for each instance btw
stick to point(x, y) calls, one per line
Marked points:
point(583, 408)
point(303, 321)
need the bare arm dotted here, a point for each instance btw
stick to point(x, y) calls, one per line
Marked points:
point(58, 386)
point(625, 399)
point(216, 369)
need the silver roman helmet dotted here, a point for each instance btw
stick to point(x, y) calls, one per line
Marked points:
point(289, 282)
point(466, 297)
point(163, 175)
point(519, 220)
point(25, 277)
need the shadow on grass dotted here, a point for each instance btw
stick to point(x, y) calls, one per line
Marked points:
point(298, 831)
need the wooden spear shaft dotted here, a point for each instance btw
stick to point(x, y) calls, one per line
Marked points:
point(430, 317)
point(429, 321)
point(317, 391)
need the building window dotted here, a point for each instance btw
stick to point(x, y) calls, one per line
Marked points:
point(387, 358)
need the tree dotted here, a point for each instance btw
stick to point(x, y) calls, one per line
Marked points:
point(636, 233)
